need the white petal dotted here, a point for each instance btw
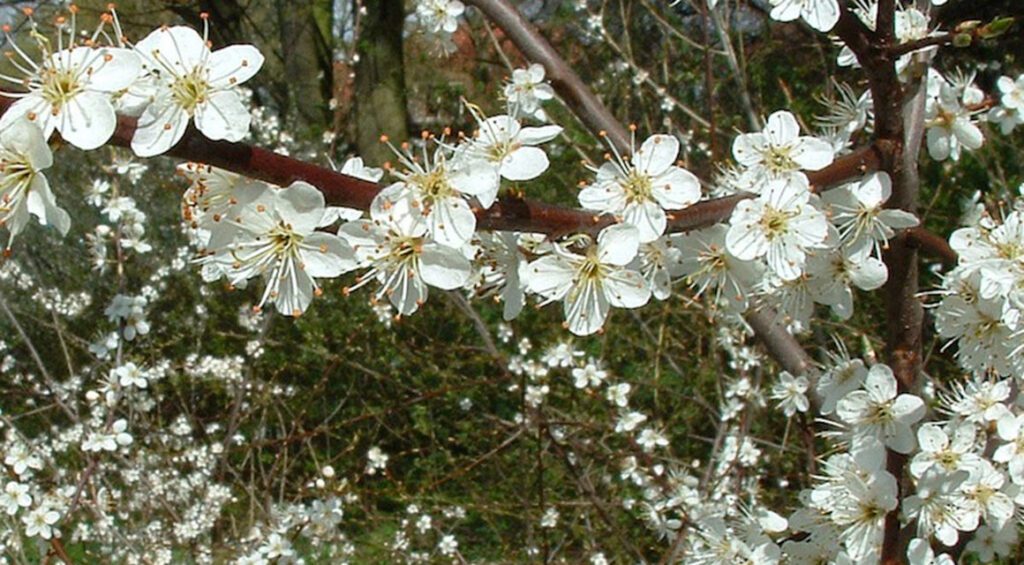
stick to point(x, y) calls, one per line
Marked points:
point(233, 65)
point(180, 48)
point(748, 148)
point(524, 163)
point(821, 15)
point(648, 218)
point(626, 289)
point(538, 135)
point(300, 205)
point(443, 267)
point(326, 255)
point(782, 128)
point(812, 154)
point(223, 116)
point(43, 205)
point(618, 244)
point(87, 121)
point(932, 438)
point(585, 309)
point(880, 383)
point(452, 222)
point(111, 69)
point(24, 137)
point(550, 276)
point(657, 154)
point(160, 127)
point(676, 188)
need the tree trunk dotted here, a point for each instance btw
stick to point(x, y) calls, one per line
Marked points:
point(380, 104)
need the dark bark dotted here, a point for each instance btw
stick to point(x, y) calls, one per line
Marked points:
point(380, 103)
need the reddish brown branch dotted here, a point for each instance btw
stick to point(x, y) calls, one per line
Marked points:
point(932, 244)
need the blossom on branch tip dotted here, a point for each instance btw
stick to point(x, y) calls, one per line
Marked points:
point(193, 83)
point(641, 189)
point(592, 283)
point(275, 237)
point(781, 224)
point(70, 90)
point(778, 152)
point(394, 245)
point(878, 412)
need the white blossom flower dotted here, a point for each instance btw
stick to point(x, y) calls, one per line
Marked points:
point(983, 492)
point(131, 311)
point(40, 522)
point(399, 256)
point(879, 412)
point(509, 150)
point(707, 264)
point(650, 439)
point(937, 450)
point(275, 237)
point(527, 90)
point(843, 376)
point(24, 189)
point(590, 284)
point(990, 542)
point(193, 83)
point(438, 16)
point(589, 375)
point(1011, 431)
point(641, 190)
point(353, 167)
point(14, 497)
point(629, 420)
point(976, 325)
point(939, 507)
point(70, 91)
point(780, 224)
point(448, 545)
point(779, 151)
point(500, 271)
point(131, 375)
point(833, 275)
point(979, 400)
point(550, 518)
point(859, 215)
point(108, 440)
point(618, 394)
point(791, 392)
point(949, 117)
point(660, 262)
point(1011, 93)
point(862, 511)
point(376, 460)
point(22, 460)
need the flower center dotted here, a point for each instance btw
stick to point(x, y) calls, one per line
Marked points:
point(500, 150)
point(637, 187)
point(283, 241)
point(774, 222)
point(16, 176)
point(778, 160)
point(948, 459)
point(404, 249)
point(59, 87)
point(190, 90)
point(435, 185)
point(591, 269)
